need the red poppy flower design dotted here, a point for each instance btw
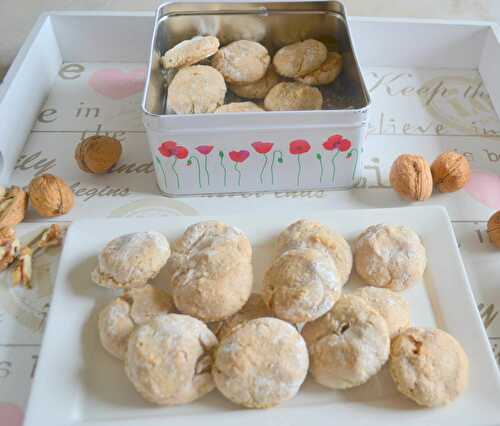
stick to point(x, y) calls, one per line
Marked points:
point(167, 148)
point(180, 152)
point(337, 142)
point(345, 145)
point(239, 156)
point(299, 146)
point(262, 147)
point(332, 142)
point(204, 149)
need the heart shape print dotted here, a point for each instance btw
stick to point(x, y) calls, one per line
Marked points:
point(485, 188)
point(117, 84)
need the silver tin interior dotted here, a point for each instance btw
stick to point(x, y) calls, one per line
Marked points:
point(274, 24)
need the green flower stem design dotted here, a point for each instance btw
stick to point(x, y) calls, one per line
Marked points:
point(299, 171)
point(235, 167)
point(354, 150)
point(206, 169)
point(263, 168)
point(162, 170)
point(221, 156)
point(189, 162)
point(320, 159)
point(175, 173)
point(280, 160)
point(334, 169)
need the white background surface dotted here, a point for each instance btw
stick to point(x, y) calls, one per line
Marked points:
point(17, 16)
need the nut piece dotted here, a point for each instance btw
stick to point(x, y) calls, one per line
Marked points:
point(494, 229)
point(9, 247)
point(450, 171)
point(411, 177)
point(13, 204)
point(98, 154)
point(50, 196)
point(22, 270)
point(49, 237)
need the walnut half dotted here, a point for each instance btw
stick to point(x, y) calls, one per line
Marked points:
point(13, 204)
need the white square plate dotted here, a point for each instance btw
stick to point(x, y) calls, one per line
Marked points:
point(78, 383)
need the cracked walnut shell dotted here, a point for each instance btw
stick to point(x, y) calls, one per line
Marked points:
point(450, 171)
point(494, 229)
point(13, 204)
point(9, 247)
point(411, 177)
point(50, 196)
point(98, 154)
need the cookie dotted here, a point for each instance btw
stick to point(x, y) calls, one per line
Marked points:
point(211, 271)
point(242, 61)
point(196, 89)
point(301, 285)
point(239, 107)
point(310, 234)
point(190, 52)
point(118, 319)
point(348, 345)
point(300, 59)
point(169, 359)
point(326, 73)
point(261, 364)
point(389, 256)
point(293, 97)
point(390, 305)
point(258, 89)
point(254, 308)
point(428, 366)
point(131, 260)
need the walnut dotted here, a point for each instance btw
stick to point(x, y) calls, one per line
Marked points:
point(494, 229)
point(13, 204)
point(9, 247)
point(50, 196)
point(98, 154)
point(411, 177)
point(450, 171)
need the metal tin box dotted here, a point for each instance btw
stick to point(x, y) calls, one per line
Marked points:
point(253, 152)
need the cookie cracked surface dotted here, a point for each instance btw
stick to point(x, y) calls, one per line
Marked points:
point(389, 256)
point(190, 52)
point(118, 319)
point(196, 89)
point(242, 61)
point(428, 366)
point(348, 345)
point(211, 269)
point(169, 359)
point(256, 378)
point(131, 260)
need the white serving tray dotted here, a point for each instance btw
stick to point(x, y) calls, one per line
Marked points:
point(78, 383)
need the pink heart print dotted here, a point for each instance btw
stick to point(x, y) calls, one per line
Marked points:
point(117, 84)
point(485, 188)
point(10, 415)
